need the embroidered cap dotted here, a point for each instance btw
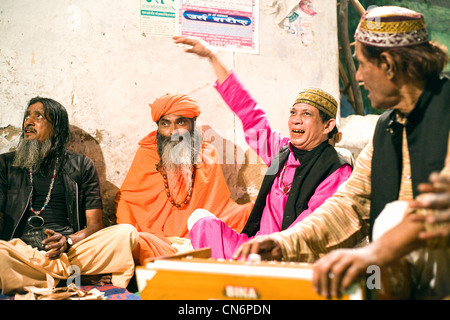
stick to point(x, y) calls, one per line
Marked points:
point(319, 99)
point(391, 26)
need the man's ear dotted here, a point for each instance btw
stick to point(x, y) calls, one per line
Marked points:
point(329, 126)
point(388, 65)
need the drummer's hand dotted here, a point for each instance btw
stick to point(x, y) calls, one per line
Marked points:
point(435, 194)
point(197, 46)
point(265, 246)
point(336, 271)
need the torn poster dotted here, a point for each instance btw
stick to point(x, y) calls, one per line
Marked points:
point(300, 22)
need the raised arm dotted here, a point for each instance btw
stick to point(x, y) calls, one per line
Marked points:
point(258, 133)
point(203, 49)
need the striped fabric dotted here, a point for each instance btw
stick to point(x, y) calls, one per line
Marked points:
point(342, 220)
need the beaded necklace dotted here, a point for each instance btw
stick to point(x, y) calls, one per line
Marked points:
point(47, 199)
point(169, 196)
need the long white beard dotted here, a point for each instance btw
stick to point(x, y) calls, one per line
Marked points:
point(31, 153)
point(178, 157)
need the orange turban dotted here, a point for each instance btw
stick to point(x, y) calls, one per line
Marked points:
point(178, 104)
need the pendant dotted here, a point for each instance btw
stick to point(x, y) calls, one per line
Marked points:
point(35, 221)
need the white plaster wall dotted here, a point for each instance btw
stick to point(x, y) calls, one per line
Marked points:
point(91, 57)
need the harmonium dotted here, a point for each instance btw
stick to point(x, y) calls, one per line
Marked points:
point(196, 276)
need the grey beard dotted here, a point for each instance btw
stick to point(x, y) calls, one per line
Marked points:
point(178, 157)
point(31, 153)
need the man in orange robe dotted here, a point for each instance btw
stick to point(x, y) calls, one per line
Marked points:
point(173, 173)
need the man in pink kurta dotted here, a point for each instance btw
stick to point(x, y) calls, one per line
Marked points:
point(304, 170)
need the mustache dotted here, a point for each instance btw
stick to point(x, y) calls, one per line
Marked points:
point(29, 128)
point(170, 148)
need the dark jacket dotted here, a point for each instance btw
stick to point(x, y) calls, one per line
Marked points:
point(427, 131)
point(81, 183)
point(315, 167)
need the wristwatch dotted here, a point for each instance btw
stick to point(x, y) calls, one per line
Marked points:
point(69, 243)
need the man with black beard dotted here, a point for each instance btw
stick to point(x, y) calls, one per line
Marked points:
point(174, 173)
point(51, 210)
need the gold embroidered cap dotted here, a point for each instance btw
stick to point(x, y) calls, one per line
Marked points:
point(391, 26)
point(319, 99)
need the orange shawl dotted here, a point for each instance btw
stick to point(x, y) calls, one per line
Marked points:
point(143, 203)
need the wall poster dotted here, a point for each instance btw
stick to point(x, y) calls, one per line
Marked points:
point(159, 17)
point(224, 24)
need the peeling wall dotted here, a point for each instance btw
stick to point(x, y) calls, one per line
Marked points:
point(91, 57)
